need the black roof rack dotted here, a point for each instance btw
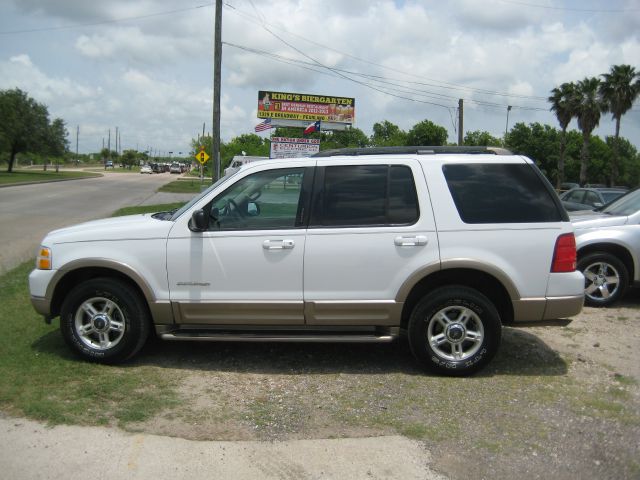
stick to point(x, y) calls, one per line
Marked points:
point(417, 150)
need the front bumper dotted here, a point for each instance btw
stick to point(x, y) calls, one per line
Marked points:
point(39, 281)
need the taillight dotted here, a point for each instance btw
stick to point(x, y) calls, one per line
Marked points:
point(564, 255)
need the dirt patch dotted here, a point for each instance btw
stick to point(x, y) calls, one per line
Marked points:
point(556, 402)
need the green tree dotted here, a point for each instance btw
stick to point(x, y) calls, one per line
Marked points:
point(24, 124)
point(57, 142)
point(537, 141)
point(562, 101)
point(427, 133)
point(481, 139)
point(129, 158)
point(387, 134)
point(249, 143)
point(629, 173)
point(349, 138)
point(618, 90)
point(588, 106)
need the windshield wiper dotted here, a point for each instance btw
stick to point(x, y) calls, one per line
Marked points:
point(164, 215)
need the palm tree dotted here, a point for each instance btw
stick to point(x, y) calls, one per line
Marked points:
point(618, 90)
point(588, 105)
point(562, 101)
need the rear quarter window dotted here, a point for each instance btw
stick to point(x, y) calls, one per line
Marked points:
point(500, 193)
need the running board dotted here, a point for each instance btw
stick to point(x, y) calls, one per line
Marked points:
point(271, 336)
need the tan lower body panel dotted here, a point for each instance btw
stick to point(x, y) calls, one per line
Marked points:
point(352, 313)
point(239, 313)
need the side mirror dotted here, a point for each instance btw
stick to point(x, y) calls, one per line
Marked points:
point(198, 222)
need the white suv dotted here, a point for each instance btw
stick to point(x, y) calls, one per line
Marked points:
point(443, 244)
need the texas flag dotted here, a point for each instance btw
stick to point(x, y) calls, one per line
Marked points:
point(312, 127)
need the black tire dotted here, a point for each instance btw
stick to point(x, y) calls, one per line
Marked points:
point(454, 331)
point(606, 278)
point(104, 320)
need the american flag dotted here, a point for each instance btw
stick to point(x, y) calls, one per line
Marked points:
point(264, 125)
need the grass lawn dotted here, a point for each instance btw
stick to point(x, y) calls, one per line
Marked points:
point(40, 378)
point(189, 185)
point(24, 176)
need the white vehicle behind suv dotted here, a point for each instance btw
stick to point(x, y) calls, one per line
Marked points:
point(443, 244)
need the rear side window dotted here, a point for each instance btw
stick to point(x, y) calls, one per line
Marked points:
point(500, 193)
point(365, 195)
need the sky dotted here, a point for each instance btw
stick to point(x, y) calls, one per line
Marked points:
point(146, 66)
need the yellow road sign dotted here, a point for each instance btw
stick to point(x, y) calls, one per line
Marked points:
point(202, 157)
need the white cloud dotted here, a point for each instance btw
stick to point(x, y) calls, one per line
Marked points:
point(152, 77)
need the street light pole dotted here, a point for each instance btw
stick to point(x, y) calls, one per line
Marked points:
point(506, 127)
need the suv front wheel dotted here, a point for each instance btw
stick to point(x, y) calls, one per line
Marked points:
point(104, 320)
point(454, 331)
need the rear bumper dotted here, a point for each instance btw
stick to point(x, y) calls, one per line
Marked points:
point(563, 307)
point(550, 308)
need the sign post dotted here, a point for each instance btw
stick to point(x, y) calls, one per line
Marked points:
point(202, 157)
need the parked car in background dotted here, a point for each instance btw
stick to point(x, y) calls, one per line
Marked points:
point(564, 187)
point(157, 168)
point(146, 169)
point(175, 168)
point(608, 243)
point(590, 198)
point(108, 164)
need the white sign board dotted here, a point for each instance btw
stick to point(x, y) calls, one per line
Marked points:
point(285, 147)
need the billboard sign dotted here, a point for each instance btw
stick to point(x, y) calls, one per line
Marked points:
point(285, 147)
point(306, 107)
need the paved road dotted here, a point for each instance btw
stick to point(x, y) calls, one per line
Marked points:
point(28, 212)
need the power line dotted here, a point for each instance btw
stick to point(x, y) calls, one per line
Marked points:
point(571, 9)
point(443, 84)
point(388, 85)
point(104, 22)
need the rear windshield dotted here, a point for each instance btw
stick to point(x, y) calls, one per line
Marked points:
point(500, 193)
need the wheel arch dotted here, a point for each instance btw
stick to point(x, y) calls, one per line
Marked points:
point(81, 271)
point(487, 284)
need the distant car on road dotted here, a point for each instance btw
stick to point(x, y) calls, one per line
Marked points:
point(175, 168)
point(590, 198)
point(108, 164)
point(146, 169)
point(608, 243)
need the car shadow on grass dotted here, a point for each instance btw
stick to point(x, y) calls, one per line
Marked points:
point(521, 353)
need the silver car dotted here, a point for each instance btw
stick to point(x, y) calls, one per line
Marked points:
point(608, 243)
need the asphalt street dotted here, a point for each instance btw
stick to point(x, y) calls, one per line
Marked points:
point(28, 212)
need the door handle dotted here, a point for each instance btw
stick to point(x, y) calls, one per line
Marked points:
point(278, 244)
point(413, 241)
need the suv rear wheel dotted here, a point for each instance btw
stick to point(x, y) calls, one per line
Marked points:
point(454, 331)
point(104, 321)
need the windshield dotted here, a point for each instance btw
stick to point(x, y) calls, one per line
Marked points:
point(197, 198)
point(625, 205)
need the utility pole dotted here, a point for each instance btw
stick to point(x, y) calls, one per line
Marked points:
point(116, 141)
point(77, 137)
point(460, 122)
point(507, 125)
point(217, 65)
point(109, 144)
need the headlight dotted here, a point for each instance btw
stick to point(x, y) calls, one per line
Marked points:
point(43, 261)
